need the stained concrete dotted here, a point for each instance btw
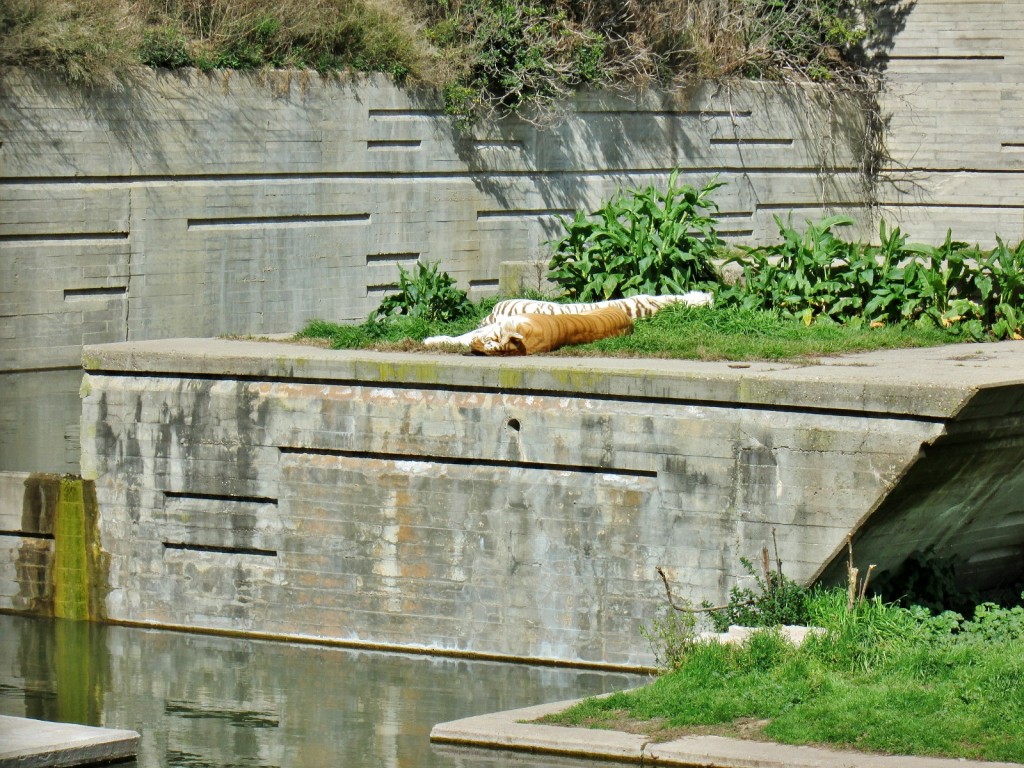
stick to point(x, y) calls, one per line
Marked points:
point(518, 508)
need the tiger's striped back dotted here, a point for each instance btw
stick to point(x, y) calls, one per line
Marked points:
point(635, 307)
point(534, 333)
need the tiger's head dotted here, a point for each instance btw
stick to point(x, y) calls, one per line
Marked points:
point(501, 338)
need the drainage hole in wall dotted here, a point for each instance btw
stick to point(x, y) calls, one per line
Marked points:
point(513, 424)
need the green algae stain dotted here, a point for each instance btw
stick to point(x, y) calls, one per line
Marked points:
point(417, 373)
point(77, 673)
point(78, 563)
point(510, 378)
point(582, 381)
point(70, 562)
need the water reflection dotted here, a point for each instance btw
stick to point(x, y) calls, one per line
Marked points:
point(211, 701)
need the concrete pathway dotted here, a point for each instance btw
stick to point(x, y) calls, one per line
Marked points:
point(37, 744)
point(514, 730)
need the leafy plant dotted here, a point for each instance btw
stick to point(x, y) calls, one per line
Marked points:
point(641, 241)
point(427, 293)
point(806, 275)
point(815, 275)
point(513, 54)
point(1000, 285)
point(777, 600)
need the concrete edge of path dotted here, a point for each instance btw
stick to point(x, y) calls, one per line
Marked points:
point(516, 730)
point(29, 743)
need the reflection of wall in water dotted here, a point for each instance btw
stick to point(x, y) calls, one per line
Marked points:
point(214, 701)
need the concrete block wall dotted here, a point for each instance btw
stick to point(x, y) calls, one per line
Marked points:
point(199, 205)
point(511, 508)
point(953, 102)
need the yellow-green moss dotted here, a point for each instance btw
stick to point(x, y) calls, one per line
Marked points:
point(77, 560)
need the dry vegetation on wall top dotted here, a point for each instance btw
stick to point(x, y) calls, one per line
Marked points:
point(487, 56)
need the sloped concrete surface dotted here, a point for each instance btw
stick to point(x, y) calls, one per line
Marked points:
point(29, 743)
point(516, 730)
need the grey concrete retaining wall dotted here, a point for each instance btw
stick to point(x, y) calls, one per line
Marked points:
point(519, 508)
point(200, 205)
point(195, 205)
point(953, 103)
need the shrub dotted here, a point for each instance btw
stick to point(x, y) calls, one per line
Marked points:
point(165, 47)
point(777, 600)
point(671, 637)
point(512, 53)
point(426, 293)
point(642, 241)
point(816, 275)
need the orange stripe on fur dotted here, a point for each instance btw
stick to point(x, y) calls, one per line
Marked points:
point(531, 334)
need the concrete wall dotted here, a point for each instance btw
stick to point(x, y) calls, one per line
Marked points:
point(953, 106)
point(201, 205)
point(195, 205)
point(519, 508)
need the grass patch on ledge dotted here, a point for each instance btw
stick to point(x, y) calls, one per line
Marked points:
point(881, 678)
point(697, 333)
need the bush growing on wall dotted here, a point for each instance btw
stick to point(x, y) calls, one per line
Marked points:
point(816, 275)
point(642, 241)
point(488, 56)
point(647, 241)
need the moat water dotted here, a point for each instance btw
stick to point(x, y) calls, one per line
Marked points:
point(202, 700)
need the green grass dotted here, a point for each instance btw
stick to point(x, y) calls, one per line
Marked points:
point(881, 679)
point(676, 332)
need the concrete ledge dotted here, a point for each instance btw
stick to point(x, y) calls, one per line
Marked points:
point(36, 743)
point(514, 730)
point(931, 382)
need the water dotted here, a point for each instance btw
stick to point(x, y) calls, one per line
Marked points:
point(213, 701)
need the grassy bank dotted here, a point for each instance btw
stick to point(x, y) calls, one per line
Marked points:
point(702, 333)
point(486, 56)
point(879, 678)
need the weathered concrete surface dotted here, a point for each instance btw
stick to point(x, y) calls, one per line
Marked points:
point(953, 103)
point(49, 553)
point(519, 508)
point(192, 204)
point(29, 743)
point(518, 730)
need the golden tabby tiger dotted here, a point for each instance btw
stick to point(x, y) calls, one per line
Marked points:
point(531, 334)
point(634, 306)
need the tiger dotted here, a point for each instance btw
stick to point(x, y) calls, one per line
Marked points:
point(534, 333)
point(635, 307)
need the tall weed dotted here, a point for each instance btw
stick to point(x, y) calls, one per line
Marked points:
point(83, 42)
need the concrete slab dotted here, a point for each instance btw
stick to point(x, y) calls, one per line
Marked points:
point(517, 730)
point(931, 382)
point(29, 743)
